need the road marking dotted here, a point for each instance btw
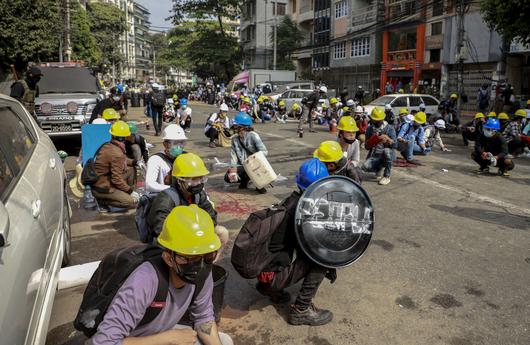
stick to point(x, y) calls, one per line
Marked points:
point(473, 195)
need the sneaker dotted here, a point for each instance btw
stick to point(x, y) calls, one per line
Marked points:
point(261, 190)
point(413, 161)
point(311, 316)
point(379, 174)
point(504, 173)
point(483, 170)
point(276, 297)
point(212, 145)
point(384, 181)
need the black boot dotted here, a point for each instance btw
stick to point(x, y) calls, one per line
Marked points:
point(276, 297)
point(311, 316)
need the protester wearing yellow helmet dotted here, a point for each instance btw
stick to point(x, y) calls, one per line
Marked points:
point(504, 119)
point(380, 143)
point(110, 115)
point(513, 132)
point(280, 113)
point(492, 114)
point(116, 176)
point(296, 111)
point(411, 138)
point(332, 155)
point(189, 175)
point(347, 139)
point(473, 128)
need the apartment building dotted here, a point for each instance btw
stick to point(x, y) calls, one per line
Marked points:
point(142, 42)
point(258, 18)
point(302, 13)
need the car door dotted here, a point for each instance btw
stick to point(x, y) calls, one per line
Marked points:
point(22, 259)
point(414, 103)
point(431, 104)
point(398, 103)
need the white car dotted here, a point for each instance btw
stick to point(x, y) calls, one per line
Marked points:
point(34, 226)
point(409, 101)
point(293, 96)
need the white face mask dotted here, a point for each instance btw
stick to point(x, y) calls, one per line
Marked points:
point(488, 133)
point(116, 98)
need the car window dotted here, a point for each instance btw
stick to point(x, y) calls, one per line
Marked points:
point(400, 102)
point(429, 101)
point(382, 101)
point(285, 94)
point(16, 140)
point(6, 175)
point(414, 101)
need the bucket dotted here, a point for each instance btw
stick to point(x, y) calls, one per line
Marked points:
point(219, 276)
point(259, 170)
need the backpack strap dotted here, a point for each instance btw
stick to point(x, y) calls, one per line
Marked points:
point(173, 194)
point(159, 302)
point(164, 157)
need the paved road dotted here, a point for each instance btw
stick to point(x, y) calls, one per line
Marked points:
point(449, 262)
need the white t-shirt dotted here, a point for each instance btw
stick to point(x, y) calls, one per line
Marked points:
point(353, 153)
point(157, 170)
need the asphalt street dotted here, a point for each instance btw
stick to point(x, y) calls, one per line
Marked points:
point(449, 261)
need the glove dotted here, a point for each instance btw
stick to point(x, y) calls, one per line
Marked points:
point(135, 196)
point(141, 165)
point(331, 274)
point(233, 177)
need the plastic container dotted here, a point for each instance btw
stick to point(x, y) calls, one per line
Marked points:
point(219, 276)
point(259, 170)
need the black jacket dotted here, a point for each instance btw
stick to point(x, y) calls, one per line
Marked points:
point(102, 105)
point(163, 204)
point(495, 145)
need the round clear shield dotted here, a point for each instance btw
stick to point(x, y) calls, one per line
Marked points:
point(334, 221)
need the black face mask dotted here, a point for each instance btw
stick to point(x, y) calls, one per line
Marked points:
point(349, 141)
point(190, 271)
point(196, 189)
point(377, 124)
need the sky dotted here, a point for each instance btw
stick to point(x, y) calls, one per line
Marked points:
point(160, 9)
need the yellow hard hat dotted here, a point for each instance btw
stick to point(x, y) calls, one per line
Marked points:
point(453, 95)
point(420, 117)
point(347, 124)
point(345, 108)
point(296, 106)
point(110, 114)
point(503, 116)
point(479, 116)
point(189, 165)
point(333, 100)
point(401, 91)
point(520, 112)
point(120, 129)
point(260, 99)
point(528, 102)
point(189, 230)
point(492, 114)
point(242, 96)
point(403, 111)
point(282, 104)
point(378, 114)
point(246, 100)
point(328, 152)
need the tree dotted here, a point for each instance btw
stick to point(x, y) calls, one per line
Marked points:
point(28, 31)
point(288, 38)
point(509, 18)
point(107, 23)
point(205, 10)
point(84, 46)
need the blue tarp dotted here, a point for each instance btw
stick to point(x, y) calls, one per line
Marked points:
point(92, 137)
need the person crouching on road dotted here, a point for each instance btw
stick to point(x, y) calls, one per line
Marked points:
point(432, 135)
point(190, 246)
point(296, 112)
point(491, 149)
point(244, 144)
point(411, 138)
point(282, 272)
point(348, 141)
point(136, 146)
point(115, 185)
point(512, 133)
point(331, 154)
point(218, 123)
point(380, 143)
point(281, 113)
point(189, 175)
point(160, 164)
point(184, 115)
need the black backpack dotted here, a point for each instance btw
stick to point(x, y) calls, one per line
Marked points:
point(110, 275)
point(89, 175)
point(251, 253)
point(159, 99)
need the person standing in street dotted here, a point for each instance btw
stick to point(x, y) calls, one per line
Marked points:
point(157, 101)
point(359, 95)
point(26, 90)
point(483, 99)
point(112, 102)
point(311, 103)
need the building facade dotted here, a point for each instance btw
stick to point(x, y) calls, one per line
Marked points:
point(143, 46)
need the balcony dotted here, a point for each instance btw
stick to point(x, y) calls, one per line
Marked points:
point(306, 12)
point(401, 56)
point(363, 17)
point(402, 10)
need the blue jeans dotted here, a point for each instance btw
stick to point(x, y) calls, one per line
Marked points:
point(383, 160)
point(410, 148)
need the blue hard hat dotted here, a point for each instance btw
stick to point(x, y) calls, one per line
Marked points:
point(242, 119)
point(184, 101)
point(310, 171)
point(493, 123)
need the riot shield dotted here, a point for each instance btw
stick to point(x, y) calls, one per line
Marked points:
point(334, 221)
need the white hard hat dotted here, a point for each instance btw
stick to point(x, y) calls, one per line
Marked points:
point(155, 85)
point(339, 105)
point(360, 87)
point(388, 107)
point(321, 100)
point(359, 109)
point(174, 132)
point(422, 106)
point(323, 89)
point(350, 103)
point(170, 101)
point(223, 107)
point(99, 121)
point(409, 118)
point(439, 124)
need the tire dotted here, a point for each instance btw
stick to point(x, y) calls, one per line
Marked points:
point(67, 246)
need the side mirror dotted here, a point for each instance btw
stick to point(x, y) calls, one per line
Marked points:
point(4, 225)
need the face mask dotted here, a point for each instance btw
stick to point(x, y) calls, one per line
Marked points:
point(121, 139)
point(488, 133)
point(196, 189)
point(349, 141)
point(378, 124)
point(175, 151)
point(116, 98)
point(189, 272)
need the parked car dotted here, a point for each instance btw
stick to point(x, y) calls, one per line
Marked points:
point(293, 96)
point(34, 225)
point(410, 101)
point(67, 95)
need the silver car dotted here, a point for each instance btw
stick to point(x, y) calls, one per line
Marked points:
point(290, 97)
point(34, 226)
point(409, 101)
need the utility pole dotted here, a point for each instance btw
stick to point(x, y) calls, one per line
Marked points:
point(68, 41)
point(266, 38)
point(275, 44)
point(460, 9)
point(154, 64)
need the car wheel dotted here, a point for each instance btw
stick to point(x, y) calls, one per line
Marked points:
point(67, 246)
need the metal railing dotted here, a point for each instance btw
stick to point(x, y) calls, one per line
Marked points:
point(363, 16)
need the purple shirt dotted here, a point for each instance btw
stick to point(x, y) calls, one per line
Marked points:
point(136, 294)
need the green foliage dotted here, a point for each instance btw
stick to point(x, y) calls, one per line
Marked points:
point(204, 10)
point(288, 38)
point(508, 17)
point(29, 31)
point(84, 46)
point(107, 23)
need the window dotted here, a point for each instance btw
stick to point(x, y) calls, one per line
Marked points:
point(402, 40)
point(437, 8)
point(436, 28)
point(435, 55)
point(429, 101)
point(340, 51)
point(414, 101)
point(320, 59)
point(360, 47)
point(341, 9)
point(280, 9)
point(400, 102)
point(6, 175)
